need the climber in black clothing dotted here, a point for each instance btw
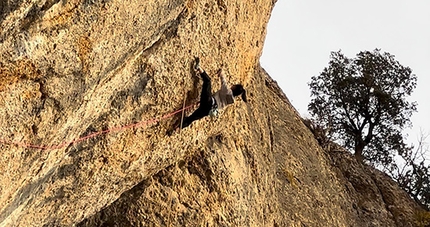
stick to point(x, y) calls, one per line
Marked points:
point(211, 104)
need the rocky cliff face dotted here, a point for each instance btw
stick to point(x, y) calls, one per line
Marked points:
point(70, 68)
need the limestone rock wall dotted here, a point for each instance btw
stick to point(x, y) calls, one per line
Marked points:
point(69, 68)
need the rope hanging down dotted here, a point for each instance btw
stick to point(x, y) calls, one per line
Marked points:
point(107, 131)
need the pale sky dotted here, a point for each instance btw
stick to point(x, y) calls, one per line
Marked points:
point(302, 33)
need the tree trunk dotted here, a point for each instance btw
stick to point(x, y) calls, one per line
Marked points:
point(359, 146)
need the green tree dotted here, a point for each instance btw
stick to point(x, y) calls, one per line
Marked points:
point(362, 101)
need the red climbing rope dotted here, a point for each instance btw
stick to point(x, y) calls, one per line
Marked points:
point(110, 130)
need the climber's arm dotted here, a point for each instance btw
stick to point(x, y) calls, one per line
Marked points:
point(225, 89)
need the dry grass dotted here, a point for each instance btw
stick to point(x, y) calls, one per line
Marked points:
point(291, 179)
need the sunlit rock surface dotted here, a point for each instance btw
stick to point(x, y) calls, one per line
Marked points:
point(72, 68)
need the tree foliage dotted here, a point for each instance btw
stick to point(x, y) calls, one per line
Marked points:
point(362, 101)
point(413, 175)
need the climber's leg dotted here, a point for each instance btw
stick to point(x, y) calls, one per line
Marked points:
point(206, 95)
point(201, 112)
point(205, 101)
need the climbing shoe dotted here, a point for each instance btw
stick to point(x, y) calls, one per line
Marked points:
point(197, 64)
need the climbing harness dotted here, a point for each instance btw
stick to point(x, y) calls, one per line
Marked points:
point(214, 110)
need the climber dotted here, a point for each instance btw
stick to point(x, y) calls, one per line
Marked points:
point(211, 104)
